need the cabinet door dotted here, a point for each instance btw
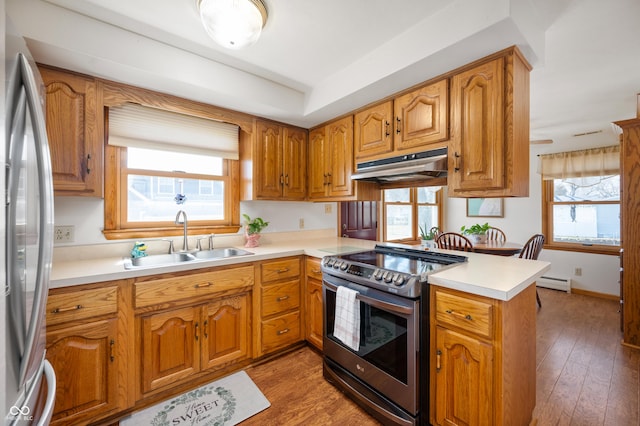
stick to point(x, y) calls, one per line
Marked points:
point(464, 379)
point(422, 117)
point(226, 332)
point(269, 175)
point(74, 133)
point(295, 163)
point(170, 347)
point(477, 150)
point(314, 309)
point(86, 366)
point(340, 144)
point(373, 131)
point(317, 163)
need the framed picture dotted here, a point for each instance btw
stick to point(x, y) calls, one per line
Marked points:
point(485, 207)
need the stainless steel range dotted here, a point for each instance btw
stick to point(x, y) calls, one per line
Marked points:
point(387, 371)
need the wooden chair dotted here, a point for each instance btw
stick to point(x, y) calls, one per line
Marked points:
point(436, 233)
point(496, 234)
point(531, 250)
point(454, 241)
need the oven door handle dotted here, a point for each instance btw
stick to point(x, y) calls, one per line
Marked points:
point(391, 307)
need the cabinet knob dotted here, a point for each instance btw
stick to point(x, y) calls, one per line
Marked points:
point(457, 164)
point(281, 332)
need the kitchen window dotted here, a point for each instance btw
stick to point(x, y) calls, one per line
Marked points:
point(149, 179)
point(407, 209)
point(581, 205)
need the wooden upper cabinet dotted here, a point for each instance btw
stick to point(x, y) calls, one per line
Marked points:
point(421, 117)
point(279, 163)
point(373, 131)
point(75, 132)
point(340, 143)
point(317, 161)
point(294, 163)
point(407, 124)
point(489, 146)
point(330, 164)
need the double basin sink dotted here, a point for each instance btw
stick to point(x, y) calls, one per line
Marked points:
point(156, 260)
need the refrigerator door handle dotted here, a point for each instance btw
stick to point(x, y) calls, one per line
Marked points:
point(47, 412)
point(45, 246)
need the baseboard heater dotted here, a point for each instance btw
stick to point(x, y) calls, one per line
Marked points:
point(556, 283)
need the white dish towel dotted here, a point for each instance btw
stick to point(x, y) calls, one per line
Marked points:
point(346, 327)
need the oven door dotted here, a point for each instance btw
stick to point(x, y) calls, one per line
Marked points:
point(388, 356)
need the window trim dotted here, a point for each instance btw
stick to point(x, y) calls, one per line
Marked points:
point(413, 201)
point(114, 226)
point(547, 226)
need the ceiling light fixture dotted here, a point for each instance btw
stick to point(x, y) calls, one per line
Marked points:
point(233, 24)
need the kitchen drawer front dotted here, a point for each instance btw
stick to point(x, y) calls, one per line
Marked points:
point(166, 290)
point(469, 314)
point(83, 304)
point(313, 268)
point(278, 298)
point(281, 331)
point(280, 270)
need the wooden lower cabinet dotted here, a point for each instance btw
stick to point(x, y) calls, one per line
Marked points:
point(278, 307)
point(314, 306)
point(483, 358)
point(465, 396)
point(190, 324)
point(86, 352)
point(179, 343)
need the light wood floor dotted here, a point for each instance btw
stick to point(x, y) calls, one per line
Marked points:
point(584, 375)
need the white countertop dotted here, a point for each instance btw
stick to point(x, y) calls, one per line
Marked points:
point(497, 277)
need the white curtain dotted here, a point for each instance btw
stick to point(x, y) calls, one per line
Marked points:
point(588, 162)
point(137, 126)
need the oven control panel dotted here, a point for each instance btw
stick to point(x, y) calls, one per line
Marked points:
point(392, 281)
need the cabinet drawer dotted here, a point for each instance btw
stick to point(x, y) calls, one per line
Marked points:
point(281, 331)
point(469, 314)
point(170, 289)
point(313, 268)
point(279, 269)
point(81, 304)
point(278, 298)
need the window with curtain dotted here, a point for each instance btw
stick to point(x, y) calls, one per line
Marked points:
point(407, 209)
point(163, 162)
point(581, 200)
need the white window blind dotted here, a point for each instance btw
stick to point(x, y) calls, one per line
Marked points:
point(603, 161)
point(137, 126)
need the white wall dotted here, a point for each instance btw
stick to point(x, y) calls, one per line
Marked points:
point(523, 218)
point(86, 214)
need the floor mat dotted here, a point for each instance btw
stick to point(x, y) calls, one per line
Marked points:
point(227, 401)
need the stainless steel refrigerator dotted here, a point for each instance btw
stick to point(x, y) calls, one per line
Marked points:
point(29, 378)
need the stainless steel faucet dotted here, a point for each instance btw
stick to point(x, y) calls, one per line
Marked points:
point(185, 243)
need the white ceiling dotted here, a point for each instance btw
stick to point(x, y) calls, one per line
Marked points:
point(319, 59)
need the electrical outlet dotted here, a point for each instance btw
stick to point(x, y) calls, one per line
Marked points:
point(301, 223)
point(578, 272)
point(327, 208)
point(63, 234)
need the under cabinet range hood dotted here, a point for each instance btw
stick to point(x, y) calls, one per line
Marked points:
point(404, 168)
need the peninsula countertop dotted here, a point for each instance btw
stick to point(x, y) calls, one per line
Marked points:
point(497, 277)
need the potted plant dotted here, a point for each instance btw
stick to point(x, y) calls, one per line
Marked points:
point(252, 230)
point(428, 236)
point(477, 233)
